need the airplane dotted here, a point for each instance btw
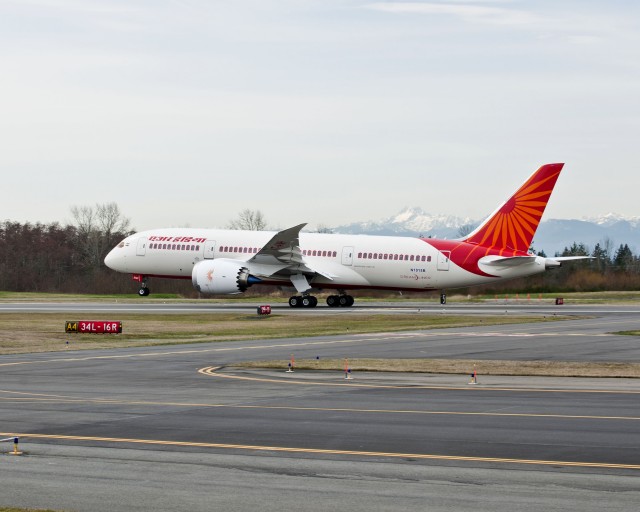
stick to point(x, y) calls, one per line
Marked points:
point(228, 262)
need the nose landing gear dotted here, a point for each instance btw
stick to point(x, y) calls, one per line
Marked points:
point(144, 289)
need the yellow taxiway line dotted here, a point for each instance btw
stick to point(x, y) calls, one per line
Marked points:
point(323, 451)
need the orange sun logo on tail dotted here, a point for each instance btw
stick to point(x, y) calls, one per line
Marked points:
point(512, 226)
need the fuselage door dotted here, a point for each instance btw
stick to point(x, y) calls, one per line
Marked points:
point(443, 260)
point(141, 249)
point(347, 256)
point(209, 248)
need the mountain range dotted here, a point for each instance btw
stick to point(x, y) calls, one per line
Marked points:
point(552, 237)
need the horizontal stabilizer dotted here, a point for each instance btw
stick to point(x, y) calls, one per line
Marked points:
point(557, 261)
point(513, 261)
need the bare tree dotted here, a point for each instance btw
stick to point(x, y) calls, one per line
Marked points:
point(84, 219)
point(97, 227)
point(250, 220)
point(111, 223)
point(110, 219)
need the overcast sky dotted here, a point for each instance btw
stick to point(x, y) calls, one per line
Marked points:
point(185, 112)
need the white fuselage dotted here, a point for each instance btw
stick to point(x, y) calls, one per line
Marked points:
point(343, 261)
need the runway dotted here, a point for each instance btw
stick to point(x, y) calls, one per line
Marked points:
point(512, 306)
point(176, 427)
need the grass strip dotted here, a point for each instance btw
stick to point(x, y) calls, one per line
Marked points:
point(44, 332)
point(460, 367)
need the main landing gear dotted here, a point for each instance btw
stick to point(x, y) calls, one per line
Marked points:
point(333, 301)
point(342, 301)
point(303, 301)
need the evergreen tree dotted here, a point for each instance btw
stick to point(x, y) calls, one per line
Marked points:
point(623, 259)
point(601, 258)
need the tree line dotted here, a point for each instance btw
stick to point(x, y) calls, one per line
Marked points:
point(70, 259)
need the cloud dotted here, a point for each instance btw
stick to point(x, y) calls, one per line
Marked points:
point(78, 6)
point(468, 11)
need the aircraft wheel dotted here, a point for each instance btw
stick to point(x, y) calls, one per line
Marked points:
point(295, 301)
point(309, 301)
point(143, 292)
point(332, 301)
point(345, 301)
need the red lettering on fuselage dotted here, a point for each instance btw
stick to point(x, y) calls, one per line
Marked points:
point(181, 239)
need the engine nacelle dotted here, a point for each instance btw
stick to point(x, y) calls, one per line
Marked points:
point(222, 277)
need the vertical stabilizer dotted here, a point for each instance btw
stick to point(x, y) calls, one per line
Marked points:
point(512, 226)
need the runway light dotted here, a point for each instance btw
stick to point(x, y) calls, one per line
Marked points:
point(474, 376)
point(347, 370)
point(15, 445)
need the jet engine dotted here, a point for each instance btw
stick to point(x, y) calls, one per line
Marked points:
point(222, 277)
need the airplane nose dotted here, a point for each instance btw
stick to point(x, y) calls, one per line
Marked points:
point(110, 260)
point(115, 260)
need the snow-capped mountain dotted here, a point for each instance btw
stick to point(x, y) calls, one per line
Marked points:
point(416, 219)
point(409, 222)
point(552, 236)
point(611, 219)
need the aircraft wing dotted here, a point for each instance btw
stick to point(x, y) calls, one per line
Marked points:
point(283, 248)
point(282, 255)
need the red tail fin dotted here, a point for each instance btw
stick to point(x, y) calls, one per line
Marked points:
point(513, 225)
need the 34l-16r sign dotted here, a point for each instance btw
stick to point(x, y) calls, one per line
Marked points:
point(93, 327)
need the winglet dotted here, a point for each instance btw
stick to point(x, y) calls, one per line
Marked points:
point(513, 224)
